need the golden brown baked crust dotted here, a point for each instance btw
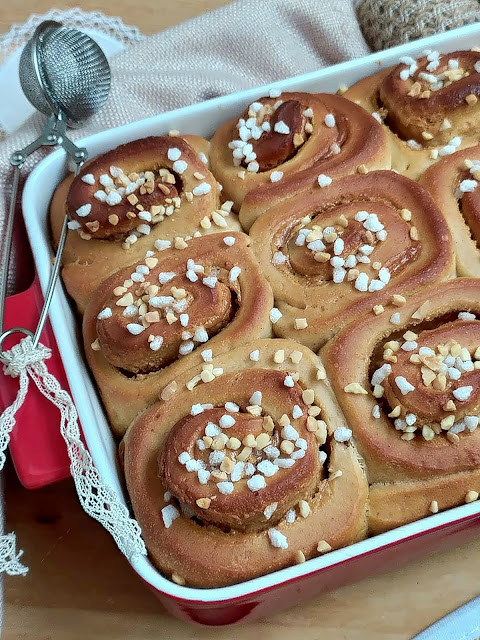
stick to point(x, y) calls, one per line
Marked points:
point(392, 505)
point(335, 138)
point(209, 296)
point(225, 533)
point(409, 388)
point(107, 236)
point(186, 323)
point(424, 104)
point(316, 296)
point(452, 182)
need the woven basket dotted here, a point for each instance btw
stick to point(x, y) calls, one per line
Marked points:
point(386, 23)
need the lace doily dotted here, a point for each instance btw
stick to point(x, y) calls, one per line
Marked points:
point(18, 35)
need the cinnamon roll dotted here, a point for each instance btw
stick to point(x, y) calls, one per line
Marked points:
point(124, 200)
point(408, 382)
point(247, 473)
point(280, 144)
point(339, 250)
point(453, 184)
point(429, 106)
point(173, 310)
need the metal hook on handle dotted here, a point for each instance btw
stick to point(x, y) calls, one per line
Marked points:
point(10, 332)
point(53, 134)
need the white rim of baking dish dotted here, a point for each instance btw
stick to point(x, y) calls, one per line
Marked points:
point(207, 116)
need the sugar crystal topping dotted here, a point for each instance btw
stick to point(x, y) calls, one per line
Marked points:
point(330, 245)
point(228, 464)
point(445, 369)
point(252, 128)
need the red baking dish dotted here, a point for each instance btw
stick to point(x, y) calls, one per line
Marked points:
point(275, 591)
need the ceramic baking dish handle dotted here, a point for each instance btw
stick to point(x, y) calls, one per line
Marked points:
point(36, 444)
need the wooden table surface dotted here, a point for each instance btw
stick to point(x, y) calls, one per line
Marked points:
point(80, 587)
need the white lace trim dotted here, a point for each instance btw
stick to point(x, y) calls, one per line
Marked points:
point(9, 557)
point(100, 501)
point(18, 35)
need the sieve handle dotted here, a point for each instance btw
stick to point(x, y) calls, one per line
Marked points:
point(7, 249)
point(17, 159)
point(53, 134)
point(51, 283)
point(78, 155)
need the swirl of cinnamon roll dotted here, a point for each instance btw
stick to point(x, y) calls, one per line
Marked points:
point(122, 201)
point(335, 252)
point(247, 473)
point(453, 184)
point(169, 312)
point(429, 106)
point(408, 382)
point(279, 146)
